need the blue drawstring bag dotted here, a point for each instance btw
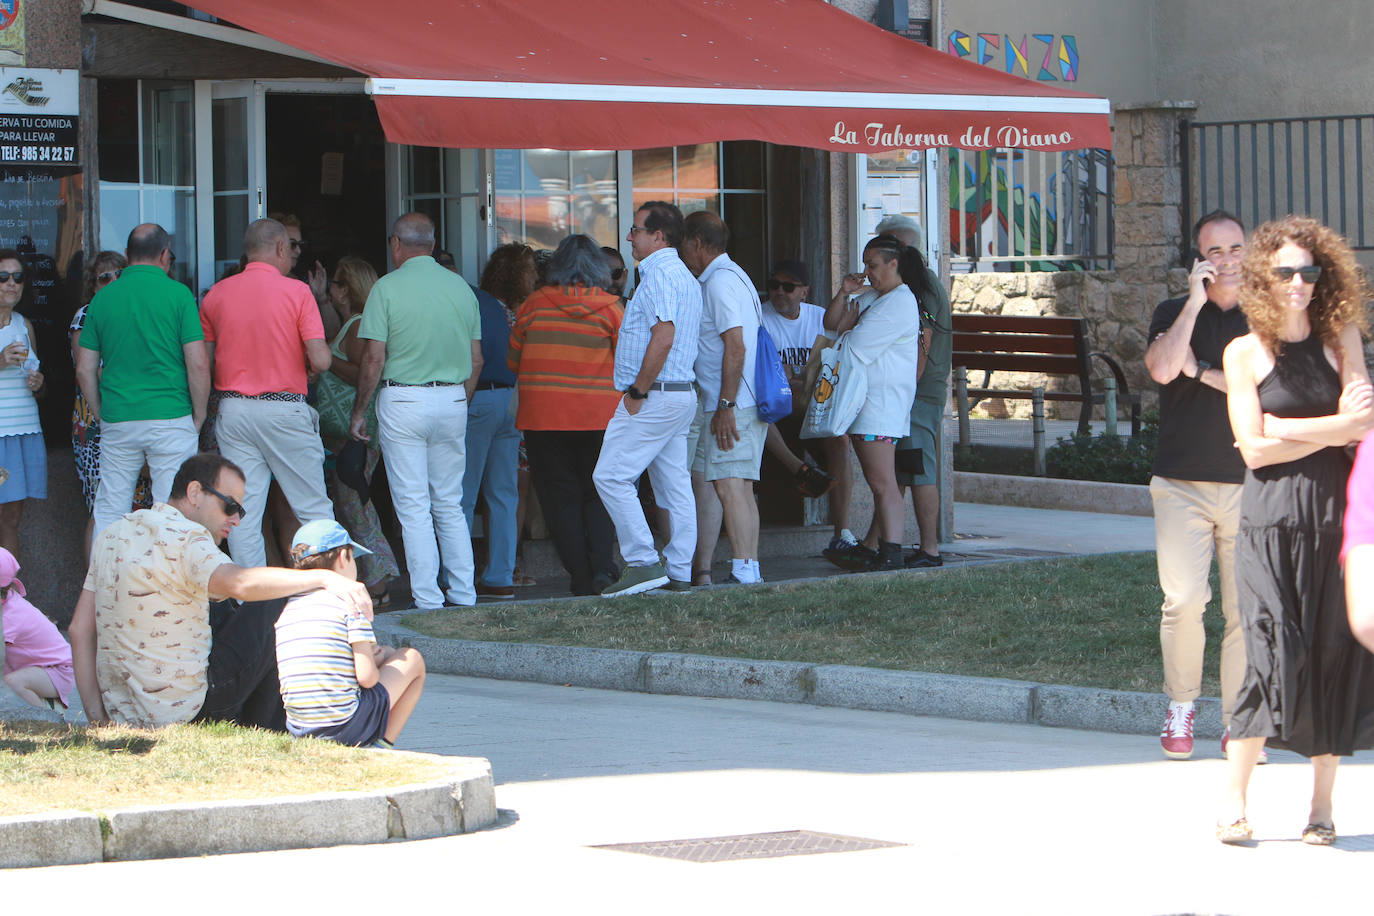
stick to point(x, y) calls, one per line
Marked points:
point(771, 391)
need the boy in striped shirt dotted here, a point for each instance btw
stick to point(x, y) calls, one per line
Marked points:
point(336, 682)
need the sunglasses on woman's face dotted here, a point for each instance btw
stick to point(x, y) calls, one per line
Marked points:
point(1310, 274)
point(108, 276)
point(17, 276)
point(783, 285)
point(617, 273)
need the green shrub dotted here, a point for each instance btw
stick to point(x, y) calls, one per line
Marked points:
point(1110, 459)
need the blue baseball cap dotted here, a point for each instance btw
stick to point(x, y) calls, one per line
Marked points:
point(322, 535)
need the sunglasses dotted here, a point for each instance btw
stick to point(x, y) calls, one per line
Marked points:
point(231, 505)
point(108, 276)
point(617, 273)
point(296, 244)
point(17, 276)
point(783, 285)
point(1310, 274)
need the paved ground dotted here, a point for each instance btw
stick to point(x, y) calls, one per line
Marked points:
point(994, 818)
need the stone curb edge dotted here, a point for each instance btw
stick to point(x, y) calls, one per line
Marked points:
point(461, 802)
point(879, 689)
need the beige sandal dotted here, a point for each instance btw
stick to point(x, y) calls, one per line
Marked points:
point(1235, 833)
point(1319, 834)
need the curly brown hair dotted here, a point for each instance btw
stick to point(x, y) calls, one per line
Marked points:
point(1341, 291)
point(506, 275)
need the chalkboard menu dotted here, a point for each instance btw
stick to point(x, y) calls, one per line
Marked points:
point(41, 218)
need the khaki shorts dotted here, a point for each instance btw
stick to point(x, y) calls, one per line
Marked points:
point(742, 460)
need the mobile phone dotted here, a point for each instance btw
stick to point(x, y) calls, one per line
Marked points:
point(1197, 255)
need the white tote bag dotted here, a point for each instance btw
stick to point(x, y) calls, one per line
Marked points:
point(838, 396)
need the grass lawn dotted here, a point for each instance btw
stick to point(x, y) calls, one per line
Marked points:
point(1089, 621)
point(49, 767)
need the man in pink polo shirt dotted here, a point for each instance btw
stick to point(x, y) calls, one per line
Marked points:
point(264, 335)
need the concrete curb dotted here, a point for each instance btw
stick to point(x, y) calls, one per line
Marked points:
point(1053, 493)
point(884, 690)
point(462, 802)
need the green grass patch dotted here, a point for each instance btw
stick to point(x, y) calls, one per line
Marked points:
point(1086, 621)
point(50, 767)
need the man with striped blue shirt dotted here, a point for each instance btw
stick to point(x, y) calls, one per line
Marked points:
point(654, 366)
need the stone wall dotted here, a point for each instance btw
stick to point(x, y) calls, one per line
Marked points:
point(1116, 303)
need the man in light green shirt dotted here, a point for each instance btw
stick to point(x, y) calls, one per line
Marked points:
point(422, 341)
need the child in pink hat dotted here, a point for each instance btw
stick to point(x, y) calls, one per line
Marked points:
point(38, 661)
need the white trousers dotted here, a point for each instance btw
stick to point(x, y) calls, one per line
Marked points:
point(654, 439)
point(125, 447)
point(423, 433)
point(272, 440)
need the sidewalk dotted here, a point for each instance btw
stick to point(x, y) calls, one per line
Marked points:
point(992, 818)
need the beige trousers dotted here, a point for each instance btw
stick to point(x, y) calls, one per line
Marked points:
point(1194, 521)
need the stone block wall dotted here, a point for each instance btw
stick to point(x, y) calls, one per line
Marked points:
point(1117, 303)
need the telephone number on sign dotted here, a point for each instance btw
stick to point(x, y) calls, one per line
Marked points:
point(37, 154)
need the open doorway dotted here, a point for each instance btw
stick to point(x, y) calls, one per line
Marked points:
point(326, 163)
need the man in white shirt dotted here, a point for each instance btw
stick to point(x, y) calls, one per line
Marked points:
point(794, 325)
point(654, 359)
point(726, 441)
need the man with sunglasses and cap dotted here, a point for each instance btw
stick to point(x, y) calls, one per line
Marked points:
point(1197, 474)
point(794, 325)
point(148, 647)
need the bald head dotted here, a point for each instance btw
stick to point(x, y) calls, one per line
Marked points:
point(904, 228)
point(262, 238)
point(412, 235)
point(708, 230)
point(147, 243)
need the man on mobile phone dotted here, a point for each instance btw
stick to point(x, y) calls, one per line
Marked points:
point(1197, 474)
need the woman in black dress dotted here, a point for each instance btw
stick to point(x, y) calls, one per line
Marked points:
point(1298, 393)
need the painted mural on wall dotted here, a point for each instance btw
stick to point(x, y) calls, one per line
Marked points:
point(1023, 57)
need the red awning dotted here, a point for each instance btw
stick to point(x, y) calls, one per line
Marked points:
point(631, 74)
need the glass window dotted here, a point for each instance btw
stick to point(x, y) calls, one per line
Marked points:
point(146, 137)
point(446, 186)
point(724, 178)
point(544, 195)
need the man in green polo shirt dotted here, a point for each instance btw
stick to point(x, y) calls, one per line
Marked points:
point(422, 339)
point(150, 395)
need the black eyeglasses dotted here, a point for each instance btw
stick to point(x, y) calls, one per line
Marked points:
point(231, 505)
point(1310, 274)
point(108, 276)
point(784, 285)
point(296, 243)
point(17, 276)
point(634, 229)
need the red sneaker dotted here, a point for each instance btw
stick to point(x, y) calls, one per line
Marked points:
point(1177, 735)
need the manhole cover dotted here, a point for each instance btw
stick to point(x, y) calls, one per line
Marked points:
point(751, 846)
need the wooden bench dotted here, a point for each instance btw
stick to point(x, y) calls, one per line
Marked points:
point(1054, 346)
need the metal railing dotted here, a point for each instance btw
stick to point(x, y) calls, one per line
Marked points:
point(1271, 167)
point(1028, 210)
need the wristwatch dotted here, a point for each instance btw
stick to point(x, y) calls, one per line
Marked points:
point(1202, 366)
point(725, 404)
point(635, 394)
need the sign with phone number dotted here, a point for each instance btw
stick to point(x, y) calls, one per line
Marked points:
point(52, 155)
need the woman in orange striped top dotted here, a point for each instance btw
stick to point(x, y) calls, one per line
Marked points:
point(562, 350)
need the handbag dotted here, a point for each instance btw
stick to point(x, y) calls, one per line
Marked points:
point(839, 395)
